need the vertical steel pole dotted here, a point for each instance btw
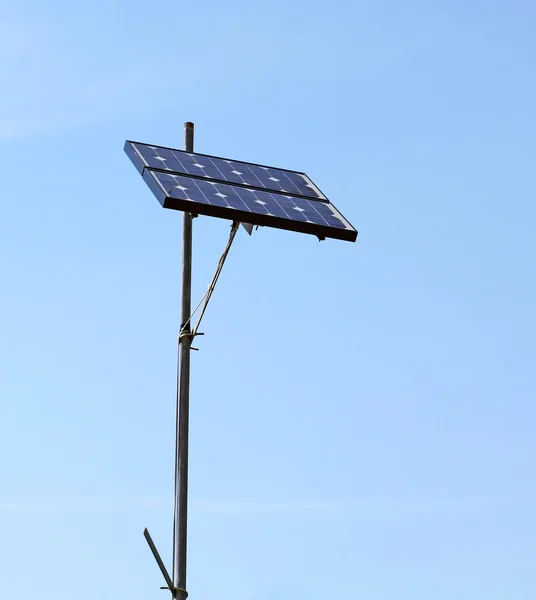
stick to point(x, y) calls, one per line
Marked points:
point(183, 403)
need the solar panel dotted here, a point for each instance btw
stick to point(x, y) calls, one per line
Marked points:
point(245, 192)
point(249, 205)
point(235, 172)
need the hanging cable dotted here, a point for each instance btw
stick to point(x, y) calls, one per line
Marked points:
point(185, 331)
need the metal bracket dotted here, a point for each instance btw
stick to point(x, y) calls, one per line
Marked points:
point(175, 590)
point(190, 334)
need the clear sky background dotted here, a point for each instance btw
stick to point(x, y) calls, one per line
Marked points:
point(362, 415)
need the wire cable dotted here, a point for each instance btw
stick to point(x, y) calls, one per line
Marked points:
point(184, 331)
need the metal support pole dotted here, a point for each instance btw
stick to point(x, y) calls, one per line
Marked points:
point(183, 402)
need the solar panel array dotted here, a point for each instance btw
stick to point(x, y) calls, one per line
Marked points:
point(239, 191)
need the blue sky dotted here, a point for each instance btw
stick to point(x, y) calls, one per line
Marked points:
point(362, 416)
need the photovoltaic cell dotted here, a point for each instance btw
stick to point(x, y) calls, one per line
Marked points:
point(249, 205)
point(223, 170)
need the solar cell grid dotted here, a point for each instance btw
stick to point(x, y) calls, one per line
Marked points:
point(257, 207)
point(225, 170)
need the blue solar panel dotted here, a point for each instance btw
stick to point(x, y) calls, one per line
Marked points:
point(249, 205)
point(219, 169)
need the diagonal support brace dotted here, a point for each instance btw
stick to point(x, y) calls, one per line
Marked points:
point(161, 565)
point(185, 331)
